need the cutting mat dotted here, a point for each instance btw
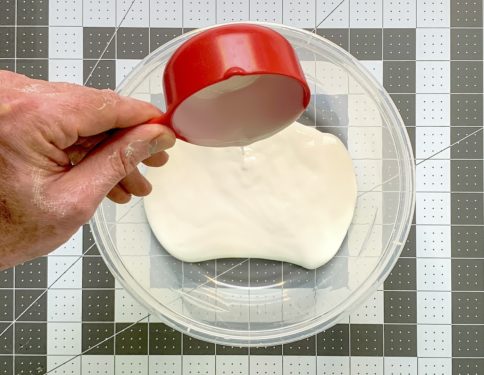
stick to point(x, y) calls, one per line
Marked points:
point(65, 314)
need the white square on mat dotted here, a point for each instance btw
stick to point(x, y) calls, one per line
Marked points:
point(66, 364)
point(363, 111)
point(66, 71)
point(432, 142)
point(198, 364)
point(299, 365)
point(266, 10)
point(127, 309)
point(363, 240)
point(375, 68)
point(64, 272)
point(370, 209)
point(434, 307)
point(100, 13)
point(366, 13)
point(368, 174)
point(123, 68)
point(64, 338)
point(165, 364)
point(434, 274)
point(65, 42)
point(199, 13)
point(435, 366)
point(433, 44)
point(299, 13)
point(137, 16)
point(131, 364)
point(433, 208)
point(97, 364)
point(366, 365)
point(64, 305)
point(65, 12)
point(432, 77)
point(71, 247)
point(332, 14)
point(433, 241)
point(333, 365)
point(232, 364)
point(231, 11)
point(433, 175)
point(433, 13)
point(365, 142)
point(265, 365)
point(399, 13)
point(432, 109)
point(434, 340)
point(400, 366)
point(166, 13)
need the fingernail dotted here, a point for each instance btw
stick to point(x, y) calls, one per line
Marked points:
point(161, 143)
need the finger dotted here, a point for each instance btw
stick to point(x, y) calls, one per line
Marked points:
point(135, 183)
point(119, 195)
point(116, 158)
point(92, 111)
point(81, 148)
point(157, 160)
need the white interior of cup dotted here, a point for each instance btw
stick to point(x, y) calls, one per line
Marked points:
point(239, 110)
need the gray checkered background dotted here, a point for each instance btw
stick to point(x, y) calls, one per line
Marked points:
point(428, 317)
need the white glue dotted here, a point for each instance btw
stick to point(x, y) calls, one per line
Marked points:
point(290, 197)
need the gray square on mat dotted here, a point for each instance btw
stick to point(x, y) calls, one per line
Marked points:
point(334, 341)
point(366, 340)
point(403, 275)
point(466, 175)
point(468, 275)
point(467, 308)
point(467, 241)
point(467, 143)
point(465, 13)
point(399, 44)
point(400, 307)
point(400, 340)
point(32, 42)
point(466, 208)
point(466, 44)
point(468, 341)
point(337, 36)
point(37, 69)
point(466, 76)
point(366, 44)
point(399, 76)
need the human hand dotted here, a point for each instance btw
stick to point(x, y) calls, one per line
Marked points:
point(63, 148)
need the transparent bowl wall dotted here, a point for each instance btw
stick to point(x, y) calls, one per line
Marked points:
point(250, 302)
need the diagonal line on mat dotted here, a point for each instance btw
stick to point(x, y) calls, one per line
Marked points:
point(145, 317)
point(109, 42)
point(60, 276)
point(450, 146)
point(327, 16)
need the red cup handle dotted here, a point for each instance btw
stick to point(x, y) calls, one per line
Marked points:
point(161, 120)
point(164, 119)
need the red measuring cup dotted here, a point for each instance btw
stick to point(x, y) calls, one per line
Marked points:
point(232, 85)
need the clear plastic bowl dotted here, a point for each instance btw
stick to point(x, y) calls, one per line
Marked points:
point(253, 302)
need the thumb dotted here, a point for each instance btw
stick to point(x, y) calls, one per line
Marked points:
point(116, 158)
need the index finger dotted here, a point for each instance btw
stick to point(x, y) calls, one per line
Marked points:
point(96, 111)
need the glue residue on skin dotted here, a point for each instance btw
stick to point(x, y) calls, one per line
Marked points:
point(290, 197)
